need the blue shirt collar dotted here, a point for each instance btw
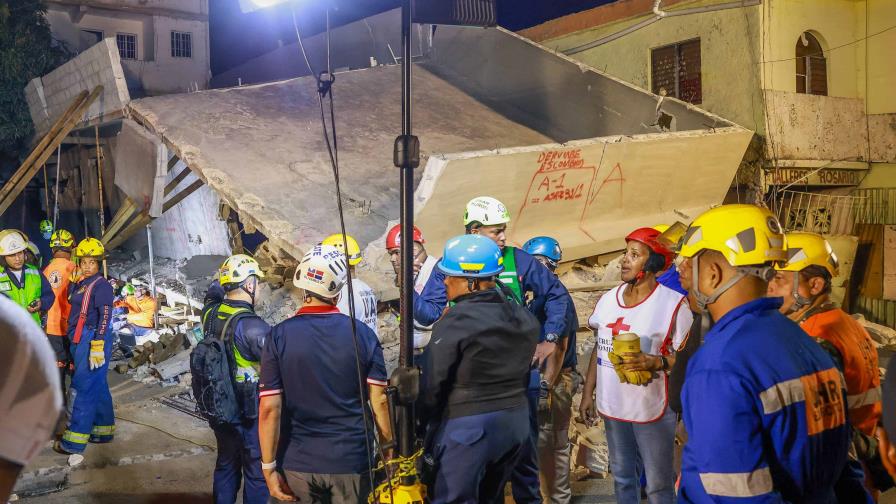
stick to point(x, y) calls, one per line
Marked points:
point(756, 305)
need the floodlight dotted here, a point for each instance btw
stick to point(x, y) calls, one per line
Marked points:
point(253, 5)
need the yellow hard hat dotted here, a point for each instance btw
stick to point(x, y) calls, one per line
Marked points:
point(90, 247)
point(62, 239)
point(238, 268)
point(662, 228)
point(746, 235)
point(354, 251)
point(810, 249)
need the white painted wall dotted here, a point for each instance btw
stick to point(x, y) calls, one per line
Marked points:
point(155, 69)
point(191, 227)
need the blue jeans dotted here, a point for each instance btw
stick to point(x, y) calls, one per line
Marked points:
point(239, 454)
point(655, 444)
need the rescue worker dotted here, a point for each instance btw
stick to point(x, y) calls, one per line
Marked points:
point(523, 276)
point(20, 281)
point(669, 277)
point(556, 388)
point(365, 299)
point(763, 404)
point(90, 334)
point(46, 229)
point(314, 372)
point(804, 284)
point(478, 364)
point(239, 453)
point(423, 268)
point(140, 307)
point(30, 401)
point(631, 383)
point(887, 430)
point(59, 273)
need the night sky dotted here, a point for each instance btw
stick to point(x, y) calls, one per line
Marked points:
point(236, 36)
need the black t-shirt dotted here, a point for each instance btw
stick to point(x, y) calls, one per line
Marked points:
point(479, 356)
point(682, 356)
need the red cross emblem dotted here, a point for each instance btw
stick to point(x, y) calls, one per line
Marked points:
point(618, 326)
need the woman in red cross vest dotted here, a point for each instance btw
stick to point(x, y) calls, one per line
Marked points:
point(90, 336)
point(638, 326)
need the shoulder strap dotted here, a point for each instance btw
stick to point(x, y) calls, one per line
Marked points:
point(85, 306)
point(227, 336)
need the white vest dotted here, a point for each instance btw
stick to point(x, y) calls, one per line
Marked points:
point(423, 333)
point(662, 321)
point(365, 303)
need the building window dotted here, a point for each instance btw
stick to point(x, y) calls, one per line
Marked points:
point(89, 38)
point(675, 69)
point(127, 45)
point(811, 66)
point(181, 45)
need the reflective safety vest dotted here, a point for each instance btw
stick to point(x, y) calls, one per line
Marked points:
point(25, 295)
point(509, 277)
point(59, 274)
point(860, 364)
point(244, 369)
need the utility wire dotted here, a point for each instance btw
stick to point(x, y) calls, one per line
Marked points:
point(325, 87)
point(825, 51)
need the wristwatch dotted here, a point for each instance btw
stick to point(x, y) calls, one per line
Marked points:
point(551, 337)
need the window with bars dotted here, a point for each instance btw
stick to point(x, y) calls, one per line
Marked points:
point(181, 44)
point(127, 45)
point(675, 69)
point(811, 66)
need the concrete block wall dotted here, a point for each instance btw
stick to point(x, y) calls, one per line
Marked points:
point(98, 65)
point(37, 104)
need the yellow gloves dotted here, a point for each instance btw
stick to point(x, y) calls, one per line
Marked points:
point(623, 344)
point(97, 354)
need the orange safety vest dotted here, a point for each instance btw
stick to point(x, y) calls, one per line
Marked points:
point(59, 274)
point(860, 364)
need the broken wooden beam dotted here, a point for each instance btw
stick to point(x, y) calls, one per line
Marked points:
point(45, 140)
point(26, 172)
point(137, 224)
point(176, 180)
point(186, 191)
point(121, 217)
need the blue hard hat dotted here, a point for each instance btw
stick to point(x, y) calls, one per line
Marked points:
point(544, 246)
point(472, 256)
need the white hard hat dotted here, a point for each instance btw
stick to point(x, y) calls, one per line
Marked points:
point(322, 271)
point(486, 211)
point(30, 396)
point(12, 242)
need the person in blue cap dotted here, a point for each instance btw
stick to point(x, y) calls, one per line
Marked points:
point(523, 277)
point(558, 382)
point(478, 361)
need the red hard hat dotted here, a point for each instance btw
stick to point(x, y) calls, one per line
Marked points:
point(393, 239)
point(649, 236)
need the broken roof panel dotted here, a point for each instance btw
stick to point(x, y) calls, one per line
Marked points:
point(261, 147)
point(488, 107)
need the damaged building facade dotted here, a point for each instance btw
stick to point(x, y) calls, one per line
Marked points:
point(812, 79)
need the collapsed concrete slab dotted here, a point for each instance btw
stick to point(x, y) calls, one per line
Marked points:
point(490, 109)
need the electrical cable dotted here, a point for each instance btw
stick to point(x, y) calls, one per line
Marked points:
point(163, 431)
point(325, 88)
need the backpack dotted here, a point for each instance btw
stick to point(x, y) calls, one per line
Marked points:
point(212, 365)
